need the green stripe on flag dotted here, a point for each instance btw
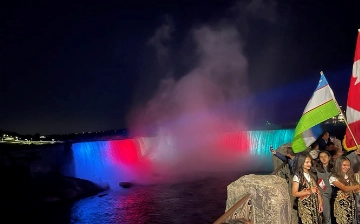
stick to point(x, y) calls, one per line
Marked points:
point(309, 120)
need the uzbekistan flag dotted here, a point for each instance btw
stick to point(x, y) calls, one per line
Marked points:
point(321, 107)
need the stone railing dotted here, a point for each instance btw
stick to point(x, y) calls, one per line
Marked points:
point(260, 198)
point(242, 212)
point(257, 199)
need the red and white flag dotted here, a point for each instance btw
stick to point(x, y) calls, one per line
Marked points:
point(321, 183)
point(353, 103)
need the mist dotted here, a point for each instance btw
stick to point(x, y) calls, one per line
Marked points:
point(189, 115)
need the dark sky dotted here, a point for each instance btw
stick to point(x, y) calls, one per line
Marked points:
point(74, 67)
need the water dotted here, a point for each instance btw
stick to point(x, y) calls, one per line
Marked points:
point(196, 201)
point(198, 197)
point(200, 201)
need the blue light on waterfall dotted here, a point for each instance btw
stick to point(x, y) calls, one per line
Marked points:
point(91, 159)
point(262, 140)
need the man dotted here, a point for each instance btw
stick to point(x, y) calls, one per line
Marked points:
point(330, 147)
point(289, 158)
point(323, 140)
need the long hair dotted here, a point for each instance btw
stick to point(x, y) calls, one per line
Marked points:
point(339, 174)
point(320, 167)
point(299, 170)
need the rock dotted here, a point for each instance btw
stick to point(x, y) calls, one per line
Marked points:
point(69, 193)
point(269, 197)
point(52, 199)
point(102, 195)
point(125, 184)
point(103, 185)
point(62, 187)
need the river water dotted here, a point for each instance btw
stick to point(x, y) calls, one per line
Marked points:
point(194, 201)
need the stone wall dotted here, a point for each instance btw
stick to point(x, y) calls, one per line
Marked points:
point(269, 197)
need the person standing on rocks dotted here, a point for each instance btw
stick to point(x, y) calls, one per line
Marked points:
point(289, 158)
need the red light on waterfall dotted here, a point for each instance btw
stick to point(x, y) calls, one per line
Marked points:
point(235, 141)
point(124, 151)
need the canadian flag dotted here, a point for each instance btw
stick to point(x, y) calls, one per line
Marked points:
point(322, 184)
point(353, 103)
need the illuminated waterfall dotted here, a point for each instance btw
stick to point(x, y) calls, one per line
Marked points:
point(121, 160)
point(262, 140)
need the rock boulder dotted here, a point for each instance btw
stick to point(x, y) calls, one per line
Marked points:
point(270, 198)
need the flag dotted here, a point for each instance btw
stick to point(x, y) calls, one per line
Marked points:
point(321, 106)
point(353, 103)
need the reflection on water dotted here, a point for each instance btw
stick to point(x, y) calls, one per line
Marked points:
point(200, 201)
point(197, 201)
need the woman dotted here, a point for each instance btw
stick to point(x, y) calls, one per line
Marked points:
point(324, 168)
point(305, 189)
point(344, 185)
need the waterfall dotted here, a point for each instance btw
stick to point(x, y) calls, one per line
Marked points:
point(126, 160)
point(262, 140)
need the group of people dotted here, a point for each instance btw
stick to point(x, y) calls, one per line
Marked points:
point(325, 183)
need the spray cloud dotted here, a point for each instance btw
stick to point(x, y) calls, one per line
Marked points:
point(190, 114)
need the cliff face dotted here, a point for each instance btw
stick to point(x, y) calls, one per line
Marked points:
point(37, 159)
point(41, 173)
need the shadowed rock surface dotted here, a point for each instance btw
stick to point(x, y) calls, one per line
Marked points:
point(269, 197)
point(21, 194)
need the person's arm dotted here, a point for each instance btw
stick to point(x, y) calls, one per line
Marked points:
point(295, 190)
point(321, 202)
point(345, 188)
point(281, 156)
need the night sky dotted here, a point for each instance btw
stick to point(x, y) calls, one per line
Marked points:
point(74, 67)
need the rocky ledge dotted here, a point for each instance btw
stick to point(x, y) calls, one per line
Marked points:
point(55, 187)
point(19, 185)
point(25, 197)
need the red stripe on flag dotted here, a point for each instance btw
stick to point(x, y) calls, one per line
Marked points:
point(357, 51)
point(353, 102)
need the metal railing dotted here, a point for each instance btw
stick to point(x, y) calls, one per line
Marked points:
point(229, 212)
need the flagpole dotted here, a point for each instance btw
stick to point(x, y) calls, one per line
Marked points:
point(347, 124)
